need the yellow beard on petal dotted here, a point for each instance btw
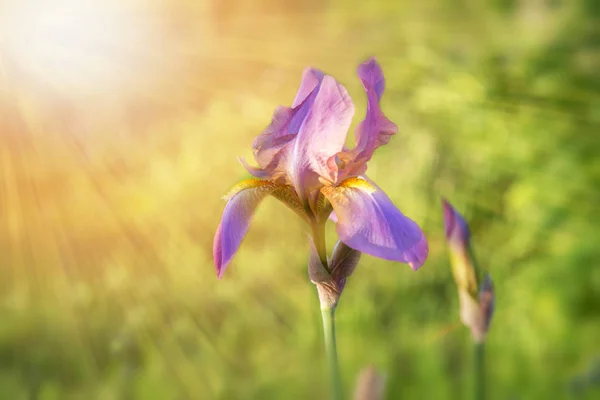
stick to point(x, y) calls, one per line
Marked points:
point(248, 184)
point(358, 183)
point(285, 193)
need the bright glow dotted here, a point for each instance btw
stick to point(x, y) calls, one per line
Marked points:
point(82, 45)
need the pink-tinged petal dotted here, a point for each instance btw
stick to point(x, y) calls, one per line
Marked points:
point(321, 135)
point(242, 202)
point(374, 131)
point(369, 222)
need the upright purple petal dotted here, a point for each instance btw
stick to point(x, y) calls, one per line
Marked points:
point(296, 146)
point(311, 79)
point(374, 131)
point(321, 135)
point(273, 148)
point(235, 221)
point(371, 76)
point(368, 221)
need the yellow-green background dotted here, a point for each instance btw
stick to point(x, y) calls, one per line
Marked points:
point(112, 168)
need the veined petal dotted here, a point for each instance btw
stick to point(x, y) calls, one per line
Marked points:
point(368, 221)
point(311, 79)
point(295, 147)
point(273, 147)
point(242, 201)
point(374, 131)
point(321, 136)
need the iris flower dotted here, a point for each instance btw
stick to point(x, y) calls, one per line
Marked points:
point(303, 162)
point(476, 301)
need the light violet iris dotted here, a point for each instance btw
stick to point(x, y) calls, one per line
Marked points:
point(302, 161)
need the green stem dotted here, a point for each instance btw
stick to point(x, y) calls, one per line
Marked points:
point(328, 315)
point(479, 371)
point(318, 233)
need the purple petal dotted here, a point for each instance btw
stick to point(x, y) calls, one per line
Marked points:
point(457, 230)
point(295, 147)
point(371, 76)
point(311, 79)
point(375, 130)
point(273, 147)
point(322, 135)
point(236, 220)
point(369, 222)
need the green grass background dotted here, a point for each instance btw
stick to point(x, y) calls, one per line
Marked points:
point(110, 196)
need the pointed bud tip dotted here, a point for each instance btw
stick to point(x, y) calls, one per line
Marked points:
point(454, 222)
point(448, 216)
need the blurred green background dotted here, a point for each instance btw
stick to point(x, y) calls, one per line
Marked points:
point(120, 124)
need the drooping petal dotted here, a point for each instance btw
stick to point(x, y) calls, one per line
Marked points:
point(374, 131)
point(242, 201)
point(368, 221)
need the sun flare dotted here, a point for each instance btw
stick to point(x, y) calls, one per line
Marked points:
point(71, 45)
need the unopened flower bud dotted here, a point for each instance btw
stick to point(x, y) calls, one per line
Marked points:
point(476, 301)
